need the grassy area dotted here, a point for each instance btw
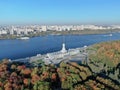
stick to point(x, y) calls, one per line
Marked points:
point(85, 32)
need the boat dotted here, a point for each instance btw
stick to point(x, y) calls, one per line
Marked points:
point(110, 34)
point(24, 38)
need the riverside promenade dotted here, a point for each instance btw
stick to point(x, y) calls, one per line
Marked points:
point(76, 55)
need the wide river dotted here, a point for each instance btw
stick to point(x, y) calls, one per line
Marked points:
point(15, 49)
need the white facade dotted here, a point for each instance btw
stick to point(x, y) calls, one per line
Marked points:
point(63, 53)
point(3, 32)
point(43, 28)
point(63, 48)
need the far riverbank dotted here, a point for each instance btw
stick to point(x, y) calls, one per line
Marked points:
point(72, 32)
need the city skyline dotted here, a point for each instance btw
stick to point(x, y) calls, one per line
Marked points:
point(59, 12)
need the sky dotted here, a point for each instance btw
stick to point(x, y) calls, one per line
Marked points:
point(59, 11)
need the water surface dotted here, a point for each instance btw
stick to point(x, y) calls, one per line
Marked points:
point(15, 49)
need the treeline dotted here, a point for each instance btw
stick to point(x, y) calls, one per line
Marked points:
point(108, 53)
point(105, 57)
point(66, 76)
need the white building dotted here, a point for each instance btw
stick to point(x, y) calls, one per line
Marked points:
point(63, 53)
point(3, 32)
point(63, 48)
point(43, 28)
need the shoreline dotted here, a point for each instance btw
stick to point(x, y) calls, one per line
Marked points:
point(57, 57)
point(76, 32)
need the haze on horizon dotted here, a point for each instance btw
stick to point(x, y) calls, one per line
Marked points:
point(59, 12)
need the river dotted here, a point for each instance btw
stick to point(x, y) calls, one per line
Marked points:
point(15, 49)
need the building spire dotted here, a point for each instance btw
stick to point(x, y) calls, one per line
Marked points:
point(63, 45)
point(63, 48)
